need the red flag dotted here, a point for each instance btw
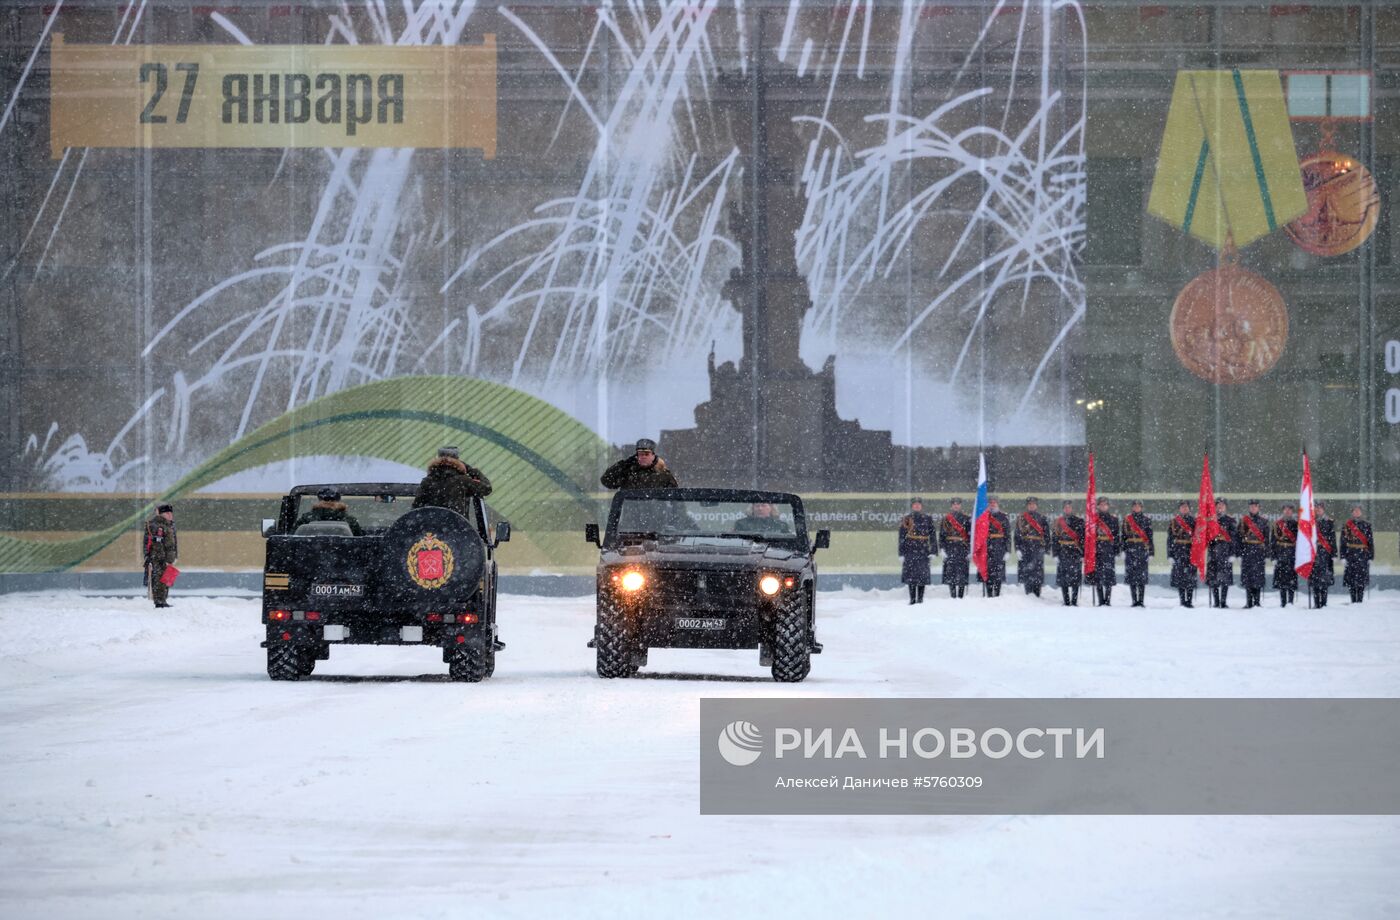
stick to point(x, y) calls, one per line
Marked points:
point(1305, 549)
point(1207, 523)
point(1091, 523)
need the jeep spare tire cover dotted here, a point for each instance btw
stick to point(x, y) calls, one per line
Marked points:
point(432, 557)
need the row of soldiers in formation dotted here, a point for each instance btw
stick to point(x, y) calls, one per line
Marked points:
point(1253, 538)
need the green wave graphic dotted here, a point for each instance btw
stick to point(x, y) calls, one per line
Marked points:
point(541, 461)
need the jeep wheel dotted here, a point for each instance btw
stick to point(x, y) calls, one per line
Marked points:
point(470, 661)
point(614, 643)
point(284, 662)
point(792, 656)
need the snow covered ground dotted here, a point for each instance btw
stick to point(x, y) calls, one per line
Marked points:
point(149, 768)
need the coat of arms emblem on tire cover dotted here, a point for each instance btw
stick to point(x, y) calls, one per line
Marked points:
point(430, 562)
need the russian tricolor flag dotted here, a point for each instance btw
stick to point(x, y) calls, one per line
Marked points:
point(981, 519)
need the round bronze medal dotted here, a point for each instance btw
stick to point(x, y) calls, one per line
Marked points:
point(1343, 205)
point(1229, 325)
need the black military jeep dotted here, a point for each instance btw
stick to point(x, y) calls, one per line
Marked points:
point(414, 577)
point(706, 568)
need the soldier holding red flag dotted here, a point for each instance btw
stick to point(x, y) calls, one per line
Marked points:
point(1179, 536)
point(1358, 549)
point(1283, 543)
point(1032, 535)
point(1137, 549)
point(955, 542)
point(1252, 546)
point(1321, 577)
point(1220, 570)
point(1105, 527)
point(1067, 545)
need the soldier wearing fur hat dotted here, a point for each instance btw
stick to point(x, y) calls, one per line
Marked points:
point(329, 507)
point(1067, 545)
point(1220, 569)
point(1180, 533)
point(955, 542)
point(1032, 536)
point(643, 470)
point(1283, 544)
point(1107, 543)
point(451, 484)
point(1321, 578)
point(1358, 549)
point(1252, 546)
point(1137, 549)
point(161, 548)
point(998, 544)
point(917, 542)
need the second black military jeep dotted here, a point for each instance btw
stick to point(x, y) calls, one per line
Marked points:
point(423, 576)
point(706, 568)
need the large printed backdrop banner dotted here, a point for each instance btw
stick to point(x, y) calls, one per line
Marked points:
point(838, 248)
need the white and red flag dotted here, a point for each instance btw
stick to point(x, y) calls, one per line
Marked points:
point(1305, 551)
point(1207, 522)
point(1091, 522)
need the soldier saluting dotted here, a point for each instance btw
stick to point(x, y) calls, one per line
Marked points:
point(1321, 577)
point(1252, 546)
point(955, 542)
point(917, 542)
point(1220, 570)
point(1106, 546)
point(1068, 548)
point(1283, 543)
point(1137, 549)
point(1358, 549)
point(998, 543)
point(1032, 533)
point(1179, 534)
point(643, 470)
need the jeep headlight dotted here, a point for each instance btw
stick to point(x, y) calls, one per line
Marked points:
point(632, 581)
point(770, 585)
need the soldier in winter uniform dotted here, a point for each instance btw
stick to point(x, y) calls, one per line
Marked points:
point(998, 544)
point(1179, 534)
point(1137, 549)
point(451, 484)
point(329, 507)
point(917, 541)
point(1283, 543)
point(1358, 549)
point(1252, 546)
point(1322, 576)
point(1067, 545)
point(643, 470)
point(955, 542)
point(1106, 546)
point(1032, 534)
point(1220, 570)
point(161, 549)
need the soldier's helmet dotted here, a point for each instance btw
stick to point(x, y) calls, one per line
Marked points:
point(328, 495)
point(449, 451)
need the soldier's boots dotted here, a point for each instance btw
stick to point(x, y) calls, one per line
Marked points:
point(921, 594)
point(1357, 594)
point(1319, 593)
point(913, 595)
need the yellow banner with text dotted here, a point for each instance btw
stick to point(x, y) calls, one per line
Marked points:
point(273, 96)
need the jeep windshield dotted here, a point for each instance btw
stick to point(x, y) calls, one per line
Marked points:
point(706, 522)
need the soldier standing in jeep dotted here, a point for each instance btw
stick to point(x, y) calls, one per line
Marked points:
point(451, 484)
point(643, 470)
